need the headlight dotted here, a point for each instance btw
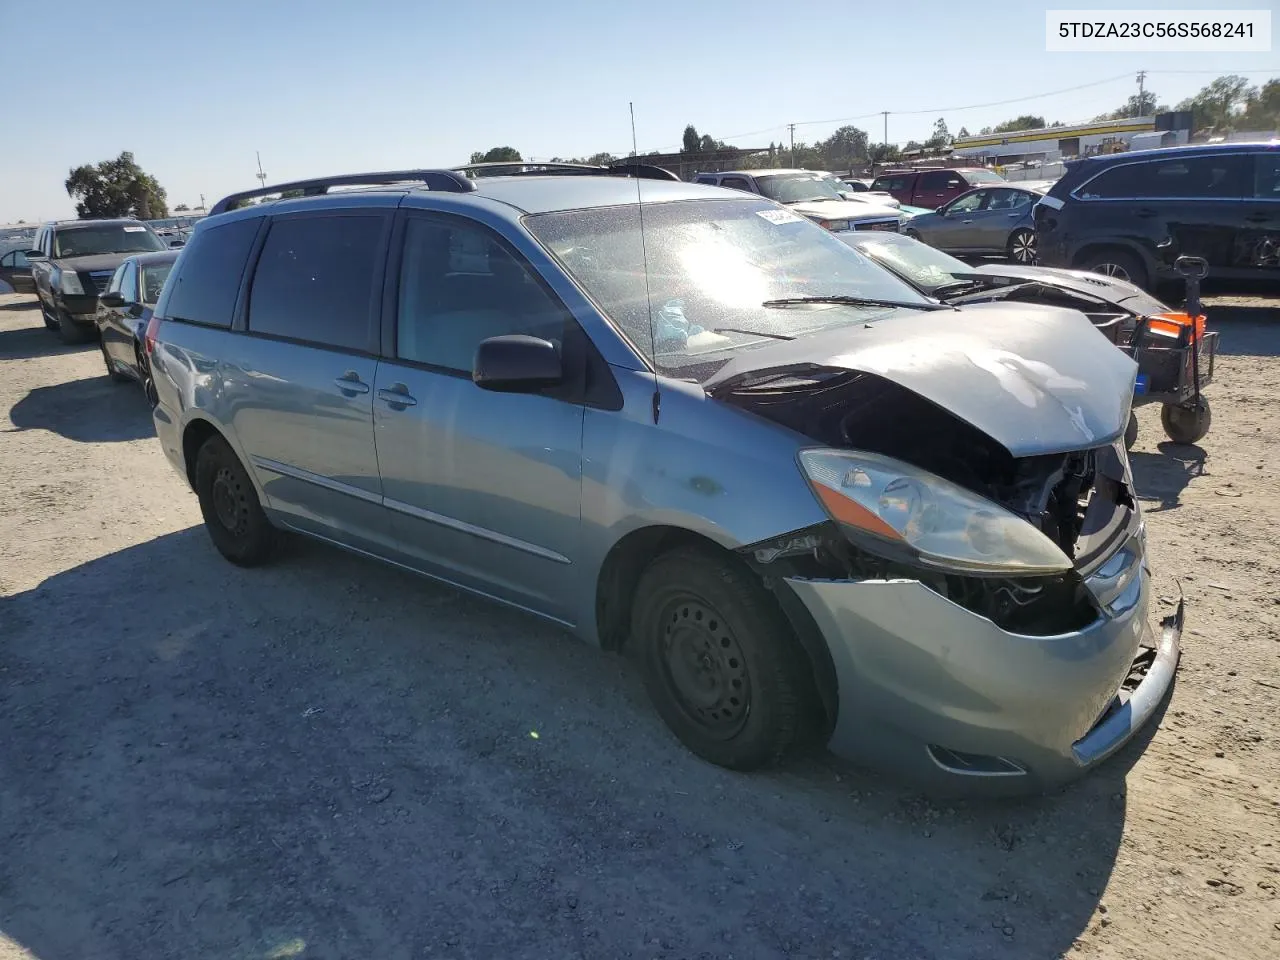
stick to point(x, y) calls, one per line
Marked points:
point(69, 283)
point(875, 498)
point(834, 224)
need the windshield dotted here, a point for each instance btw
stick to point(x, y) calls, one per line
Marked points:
point(798, 188)
point(108, 238)
point(983, 176)
point(712, 264)
point(153, 277)
point(925, 266)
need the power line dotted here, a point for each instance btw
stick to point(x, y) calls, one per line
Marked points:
point(1001, 103)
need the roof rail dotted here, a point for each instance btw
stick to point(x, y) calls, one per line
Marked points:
point(446, 180)
point(529, 168)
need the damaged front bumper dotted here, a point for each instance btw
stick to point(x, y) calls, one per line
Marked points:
point(945, 697)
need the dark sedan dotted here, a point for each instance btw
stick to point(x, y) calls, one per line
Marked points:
point(988, 220)
point(124, 310)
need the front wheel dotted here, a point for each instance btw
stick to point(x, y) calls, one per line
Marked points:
point(1187, 424)
point(722, 666)
point(229, 503)
point(1022, 246)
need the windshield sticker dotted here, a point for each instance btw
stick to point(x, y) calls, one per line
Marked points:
point(779, 216)
point(135, 229)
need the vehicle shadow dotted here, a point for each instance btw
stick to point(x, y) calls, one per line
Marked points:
point(17, 305)
point(1160, 478)
point(327, 757)
point(93, 410)
point(26, 343)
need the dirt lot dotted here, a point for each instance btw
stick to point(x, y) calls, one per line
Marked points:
point(330, 759)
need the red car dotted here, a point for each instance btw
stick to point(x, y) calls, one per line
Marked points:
point(932, 188)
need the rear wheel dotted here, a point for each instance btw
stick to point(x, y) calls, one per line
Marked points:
point(1113, 262)
point(720, 662)
point(1187, 424)
point(229, 503)
point(144, 375)
point(1022, 246)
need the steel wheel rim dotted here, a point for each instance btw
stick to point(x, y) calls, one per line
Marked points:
point(1024, 247)
point(230, 505)
point(704, 667)
point(1112, 270)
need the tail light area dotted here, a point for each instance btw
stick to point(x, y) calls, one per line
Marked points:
point(149, 338)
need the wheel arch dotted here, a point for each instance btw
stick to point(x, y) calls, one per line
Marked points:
point(194, 436)
point(620, 575)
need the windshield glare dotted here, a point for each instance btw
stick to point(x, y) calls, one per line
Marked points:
point(926, 266)
point(711, 266)
point(798, 188)
point(115, 238)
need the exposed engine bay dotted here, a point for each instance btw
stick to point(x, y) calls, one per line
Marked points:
point(1118, 327)
point(1081, 500)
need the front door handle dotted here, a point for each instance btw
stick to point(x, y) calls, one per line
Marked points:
point(397, 397)
point(350, 384)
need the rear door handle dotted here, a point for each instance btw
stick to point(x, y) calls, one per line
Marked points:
point(398, 397)
point(350, 384)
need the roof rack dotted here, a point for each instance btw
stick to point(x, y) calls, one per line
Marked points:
point(528, 168)
point(447, 180)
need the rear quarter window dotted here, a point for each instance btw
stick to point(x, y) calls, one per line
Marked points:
point(208, 275)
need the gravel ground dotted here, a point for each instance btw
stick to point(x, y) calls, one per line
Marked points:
point(327, 758)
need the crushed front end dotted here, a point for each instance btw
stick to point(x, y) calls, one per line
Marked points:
point(963, 676)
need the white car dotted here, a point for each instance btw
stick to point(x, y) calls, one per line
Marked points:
point(811, 194)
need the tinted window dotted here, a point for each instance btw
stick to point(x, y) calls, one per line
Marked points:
point(1205, 177)
point(939, 180)
point(1266, 176)
point(314, 280)
point(459, 285)
point(1007, 199)
point(710, 181)
point(890, 183)
point(205, 289)
point(970, 202)
point(736, 183)
point(15, 259)
point(105, 238)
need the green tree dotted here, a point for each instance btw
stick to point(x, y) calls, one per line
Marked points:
point(964, 132)
point(844, 148)
point(1028, 121)
point(601, 159)
point(690, 142)
point(1220, 104)
point(116, 188)
point(1262, 111)
point(1144, 104)
point(941, 135)
point(181, 208)
point(497, 155)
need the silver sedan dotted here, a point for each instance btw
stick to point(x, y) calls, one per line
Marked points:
point(989, 220)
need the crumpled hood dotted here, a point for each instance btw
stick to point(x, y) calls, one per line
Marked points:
point(1119, 293)
point(845, 210)
point(1035, 379)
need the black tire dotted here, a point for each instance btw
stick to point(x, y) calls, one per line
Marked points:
point(1021, 247)
point(70, 332)
point(232, 514)
point(1187, 424)
point(49, 321)
point(112, 371)
point(1131, 431)
point(1121, 264)
point(721, 664)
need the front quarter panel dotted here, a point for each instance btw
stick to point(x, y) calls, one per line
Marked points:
point(705, 467)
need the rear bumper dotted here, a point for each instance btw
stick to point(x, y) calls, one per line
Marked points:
point(946, 698)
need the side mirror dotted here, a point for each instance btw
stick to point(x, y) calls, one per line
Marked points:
point(516, 364)
point(114, 299)
point(177, 243)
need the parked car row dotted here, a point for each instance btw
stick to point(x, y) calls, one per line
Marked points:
point(814, 496)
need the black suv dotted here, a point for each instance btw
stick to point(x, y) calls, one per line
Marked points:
point(71, 263)
point(1131, 215)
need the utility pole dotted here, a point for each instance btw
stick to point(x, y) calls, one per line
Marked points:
point(202, 206)
point(635, 150)
point(1142, 76)
point(792, 128)
point(262, 177)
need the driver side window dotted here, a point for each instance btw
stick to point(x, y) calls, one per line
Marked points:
point(459, 285)
point(129, 282)
point(117, 278)
point(971, 203)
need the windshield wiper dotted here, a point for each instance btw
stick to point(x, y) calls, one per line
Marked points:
point(856, 302)
point(752, 333)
